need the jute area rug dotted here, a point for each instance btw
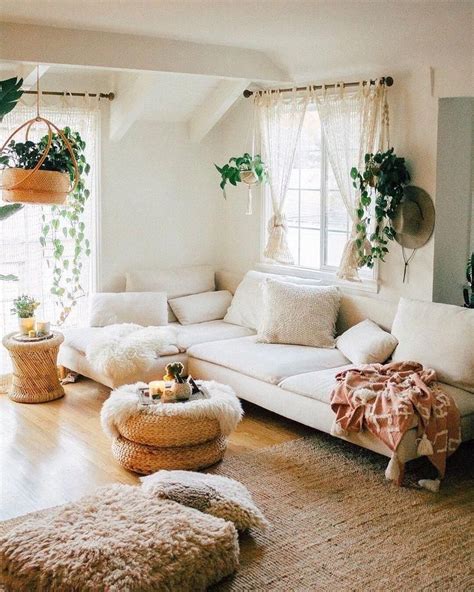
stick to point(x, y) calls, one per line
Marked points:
point(338, 526)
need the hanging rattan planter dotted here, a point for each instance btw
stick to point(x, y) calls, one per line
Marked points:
point(36, 186)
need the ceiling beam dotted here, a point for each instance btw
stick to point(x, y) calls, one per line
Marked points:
point(215, 105)
point(50, 45)
point(29, 74)
point(129, 103)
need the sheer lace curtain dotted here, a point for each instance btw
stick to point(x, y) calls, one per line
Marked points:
point(21, 253)
point(280, 120)
point(353, 124)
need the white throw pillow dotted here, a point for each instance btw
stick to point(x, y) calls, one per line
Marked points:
point(297, 314)
point(366, 343)
point(199, 308)
point(177, 282)
point(246, 309)
point(439, 336)
point(141, 308)
point(219, 496)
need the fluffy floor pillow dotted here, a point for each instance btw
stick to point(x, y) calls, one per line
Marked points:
point(119, 539)
point(220, 496)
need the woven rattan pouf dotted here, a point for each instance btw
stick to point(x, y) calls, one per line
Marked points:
point(190, 435)
point(35, 374)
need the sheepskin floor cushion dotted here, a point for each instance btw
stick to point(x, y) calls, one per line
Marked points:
point(120, 539)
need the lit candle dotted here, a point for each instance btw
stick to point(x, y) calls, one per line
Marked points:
point(43, 327)
point(32, 333)
point(156, 387)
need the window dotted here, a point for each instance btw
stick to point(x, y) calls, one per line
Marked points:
point(21, 253)
point(318, 223)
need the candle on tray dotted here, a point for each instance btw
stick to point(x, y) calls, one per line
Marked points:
point(43, 327)
point(156, 387)
point(32, 333)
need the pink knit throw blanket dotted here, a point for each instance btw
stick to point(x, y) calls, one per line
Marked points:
point(389, 399)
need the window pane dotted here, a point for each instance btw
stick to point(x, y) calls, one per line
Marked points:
point(311, 130)
point(293, 243)
point(336, 213)
point(291, 207)
point(310, 209)
point(310, 249)
point(332, 185)
point(335, 246)
point(294, 182)
point(311, 169)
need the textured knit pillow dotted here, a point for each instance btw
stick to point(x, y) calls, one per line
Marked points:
point(141, 308)
point(300, 315)
point(222, 497)
point(199, 308)
point(366, 343)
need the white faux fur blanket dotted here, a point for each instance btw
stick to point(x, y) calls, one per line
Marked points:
point(221, 404)
point(126, 349)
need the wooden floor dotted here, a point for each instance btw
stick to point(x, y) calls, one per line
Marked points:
point(55, 452)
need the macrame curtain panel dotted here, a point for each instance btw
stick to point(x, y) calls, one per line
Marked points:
point(353, 123)
point(280, 121)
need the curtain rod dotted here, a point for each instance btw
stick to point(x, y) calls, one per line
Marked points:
point(110, 96)
point(387, 80)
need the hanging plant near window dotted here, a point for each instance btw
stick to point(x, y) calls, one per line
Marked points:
point(60, 224)
point(381, 186)
point(245, 169)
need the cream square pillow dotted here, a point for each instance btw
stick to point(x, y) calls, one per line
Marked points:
point(298, 314)
point(246, 309)
point(212, 494)
point(366, 343)
point(439, 336)
point(199, 308)
point(176, 282)
point(142, 308)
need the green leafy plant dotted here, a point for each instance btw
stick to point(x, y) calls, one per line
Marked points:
point(174, 371)
point(381, 185)
point(469, 299)
point(5, 212)
point(63, 223)
point(10, 94)
point(231, 173)
point(24, 306)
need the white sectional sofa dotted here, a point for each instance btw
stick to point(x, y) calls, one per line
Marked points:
point(296, 381)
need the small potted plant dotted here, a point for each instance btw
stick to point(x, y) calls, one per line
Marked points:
point(242, 169)
point(181, 390)
point(469, 298)
point(24, 307)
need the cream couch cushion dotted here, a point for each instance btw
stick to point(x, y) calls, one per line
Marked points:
point(189, 335)
point(142, 308)
point(199, 308)
point(366, 343)
point(439, 336)
point(247, 305)
point(270, 362)
point(176, 282)
point(299, 315)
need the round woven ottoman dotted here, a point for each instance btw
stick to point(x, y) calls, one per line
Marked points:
point(35, 374)
point(188, 435)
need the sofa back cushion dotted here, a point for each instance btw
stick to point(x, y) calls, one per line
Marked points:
point(298, 314)
point(142, 308)
point(247, 305)
point(199, 308)
point(439, 336)
point(176, 282)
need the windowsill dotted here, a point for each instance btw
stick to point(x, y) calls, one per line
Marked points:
point(327, 277)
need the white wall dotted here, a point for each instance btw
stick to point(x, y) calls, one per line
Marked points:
point(158, 202)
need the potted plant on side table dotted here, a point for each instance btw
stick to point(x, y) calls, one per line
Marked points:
point(469, 298)
point(24, 307)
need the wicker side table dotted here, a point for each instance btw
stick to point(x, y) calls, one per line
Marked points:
point(35, 375)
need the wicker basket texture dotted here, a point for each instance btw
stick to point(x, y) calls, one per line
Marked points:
point(144, 459)
point(41, 187)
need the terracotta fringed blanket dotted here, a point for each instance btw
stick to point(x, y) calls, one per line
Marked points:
point(390, 399)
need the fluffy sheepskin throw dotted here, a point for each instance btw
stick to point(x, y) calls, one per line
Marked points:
point(220, 403)
point(126, 349)
point(220, 496)
point(120, 539)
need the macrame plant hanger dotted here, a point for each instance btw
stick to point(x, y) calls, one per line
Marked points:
point(32, 185)
point(249, 177)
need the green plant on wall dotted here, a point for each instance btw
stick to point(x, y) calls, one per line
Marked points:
point(63, 223)
point(381, 186)
point(469, 298)
point(10, 94)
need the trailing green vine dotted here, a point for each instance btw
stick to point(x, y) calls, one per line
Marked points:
point(63, 223)
point(381, 186)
